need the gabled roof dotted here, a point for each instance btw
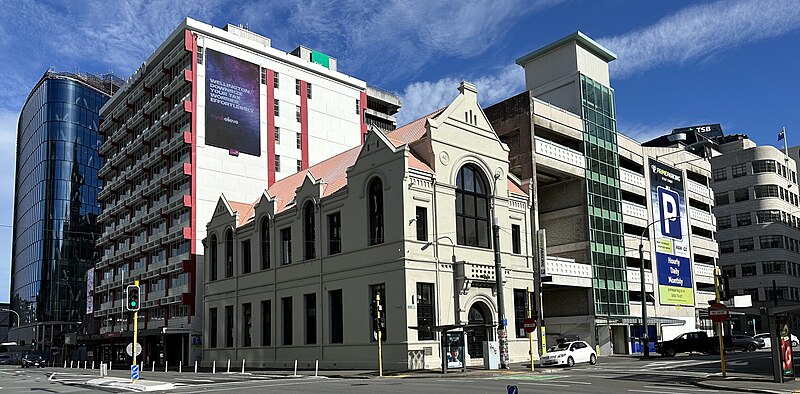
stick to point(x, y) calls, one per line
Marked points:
point(244, 210)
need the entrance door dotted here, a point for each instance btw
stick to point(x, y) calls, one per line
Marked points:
point(476, 337)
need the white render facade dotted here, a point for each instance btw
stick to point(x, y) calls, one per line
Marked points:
point(309, 298)
point(162, 179)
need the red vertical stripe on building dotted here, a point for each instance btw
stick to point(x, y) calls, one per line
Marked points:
point(304, 124)
point(190, 40)
point(270, 127)
point(363, 104)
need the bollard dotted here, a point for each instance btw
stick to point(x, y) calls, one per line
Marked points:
point(229, 366)
point(316, 369)
point(92, 364)
point(84, 364)
point(195, 366)
point(154, 367)
point(65, 364)
point(242, 365)
point(70, 364)
point(166, 365)
point(295, 367)
point(214, 367)
point(180, 366)
point(109, 366)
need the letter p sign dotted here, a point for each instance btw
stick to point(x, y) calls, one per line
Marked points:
point(669, 211)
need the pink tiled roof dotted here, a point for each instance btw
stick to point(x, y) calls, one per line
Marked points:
point(245, 211)
point(514, 188)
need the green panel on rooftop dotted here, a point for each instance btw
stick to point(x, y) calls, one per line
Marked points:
point(321, 59)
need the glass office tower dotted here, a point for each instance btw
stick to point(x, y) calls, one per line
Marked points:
point(55, 205)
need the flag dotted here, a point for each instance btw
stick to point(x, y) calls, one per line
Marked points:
point(781, 135)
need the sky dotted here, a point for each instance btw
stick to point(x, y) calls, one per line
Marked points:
point(680, 63)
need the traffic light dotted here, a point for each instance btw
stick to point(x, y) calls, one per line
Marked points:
point(132, 298)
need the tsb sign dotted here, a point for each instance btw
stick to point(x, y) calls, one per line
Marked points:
point(669, 211)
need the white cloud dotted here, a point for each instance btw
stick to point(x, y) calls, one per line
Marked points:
point(697, 33)
point(420, 98)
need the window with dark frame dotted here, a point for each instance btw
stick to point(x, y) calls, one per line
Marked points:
point(744, 219)
point(723, 222)
point(276, 107)
point(310, 301)
point(334, 233)
point(299, 140)
point(298, 114)
point(309, 232)
point(337, 316)
point(229, 326)
point(725, 247)
point(742, 194)
point(277, 135)
point(265, 246)
point(426, 311)
point(246, 263)
point(521, 299)
point(228, 253)
point(308, 90)
point(297, 87)
point(375, 206)
point(746, 244)
point(276, 79)
point(286, 316)
point(214, 256)
point(422, 223)
point(749, 269)
point(277, 163)
point(286, 246)
point(516, 239)
point(739, 170)
point(472, 208)
point(266, 323)
point(299, 166)
point(358, 107)
point(212, 328)
point(247, 325)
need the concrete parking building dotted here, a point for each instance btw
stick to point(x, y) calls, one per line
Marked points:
point(210, 111)
point(596, 192)
point(291, 271)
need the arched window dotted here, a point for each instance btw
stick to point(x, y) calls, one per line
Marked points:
point(376, 212)
point(229, 253)
point(309, 230)
point(472, 208)
point(265, 243)
point(214, 257)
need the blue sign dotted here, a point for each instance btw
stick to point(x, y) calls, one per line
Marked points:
point(134, 372)
point(669, 203)
point(674, 270)
point(512, 389)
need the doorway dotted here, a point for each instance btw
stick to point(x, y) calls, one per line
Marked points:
point(478, 315)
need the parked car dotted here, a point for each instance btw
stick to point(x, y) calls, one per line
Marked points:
point(747, 343)
point(697, 341)
point(5, 359)
point(32, 360)
point(768, 342)
point(569, 354)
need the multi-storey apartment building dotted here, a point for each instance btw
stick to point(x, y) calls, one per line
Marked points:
point(596, 194)
point(758, 217)
point(56, 206)
point(407, 216)
point(210, 111)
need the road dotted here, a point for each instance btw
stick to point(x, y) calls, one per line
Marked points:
point(612, 374)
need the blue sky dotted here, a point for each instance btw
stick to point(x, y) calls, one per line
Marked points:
point(680, 62)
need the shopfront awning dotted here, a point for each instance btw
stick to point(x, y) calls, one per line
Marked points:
point(634, 320)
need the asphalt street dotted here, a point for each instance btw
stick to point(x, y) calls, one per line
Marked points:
point(611, 374)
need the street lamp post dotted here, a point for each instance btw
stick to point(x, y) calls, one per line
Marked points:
point(498, 276)
point(645, 335)
point(14, 312)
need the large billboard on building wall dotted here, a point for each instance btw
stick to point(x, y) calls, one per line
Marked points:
point(233, 118)
point(671, 231)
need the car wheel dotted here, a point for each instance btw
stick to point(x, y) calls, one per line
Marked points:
point(794, 343)
point(752, 347)
point(593, 359)
point(670, 352)
point(570, 361)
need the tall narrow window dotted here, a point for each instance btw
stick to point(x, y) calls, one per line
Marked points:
point(337, 316)
point(309, 231)
point(266, 323)
point(297, 113)
point(516, 239)
point(426, 310)
point(229, 326)
point(358, 107)
point(228, 253)
point(277, 79)
point(265, 250)
point(277, 135)
point(277, 163)
point(247, 324)
point(246, 263)
point(373, 291)
point(472, 208)
point(214, 256)
point(311, 318)
point(286, 315)
point(520, 311)
point(276, 106)
point(376, 211)
point(297, 87)
point(335, 233)
point(308, 90)
point(299, 140)
point(299, 166)
point(286, 246)
point(422, 224)
point(212, 328)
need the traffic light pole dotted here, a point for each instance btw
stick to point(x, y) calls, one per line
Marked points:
point(380, 348)
point(135, 328)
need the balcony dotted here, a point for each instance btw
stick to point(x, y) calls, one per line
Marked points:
point(559, 152)
point(635, 279)
point(701, 216)
point(567, 272)
point(704, 273)
point(698, 189)
point(631, 178)
point(634, 210)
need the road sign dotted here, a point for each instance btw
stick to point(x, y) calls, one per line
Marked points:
point(129, 349)
point(134, 372)
point(529, 324)
point(718, 312)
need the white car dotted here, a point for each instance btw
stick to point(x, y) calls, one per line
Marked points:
point(767, 340)
point(569, 353)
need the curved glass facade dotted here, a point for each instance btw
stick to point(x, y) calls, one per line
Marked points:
point(55, 199)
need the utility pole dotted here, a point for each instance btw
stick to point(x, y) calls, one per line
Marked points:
point(501, 315)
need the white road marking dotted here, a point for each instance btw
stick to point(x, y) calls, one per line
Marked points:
point(544, 384)
point(570, 381)
point(644, 391)
point(693, 389)
point(254, 386)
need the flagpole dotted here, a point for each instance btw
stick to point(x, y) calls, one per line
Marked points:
point(785, 147)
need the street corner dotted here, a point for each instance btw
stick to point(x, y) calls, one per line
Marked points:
point(727, 384)
point(126, 384)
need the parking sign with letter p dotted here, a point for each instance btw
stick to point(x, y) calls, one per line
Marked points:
point(670, 212)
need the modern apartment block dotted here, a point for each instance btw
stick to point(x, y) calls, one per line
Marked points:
point(290, 272)
point(597, 193)
point(211, 111)
point(56, 206)
point(758, 217)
